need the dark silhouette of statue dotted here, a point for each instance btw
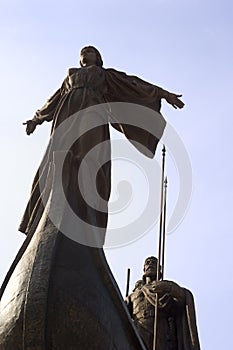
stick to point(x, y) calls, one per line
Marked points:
point(85, 87)
point(176, 322)
point(60, 293)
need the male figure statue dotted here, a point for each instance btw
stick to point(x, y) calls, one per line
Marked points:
point(176, 322)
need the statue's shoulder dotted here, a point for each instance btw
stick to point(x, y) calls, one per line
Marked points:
point(72, 70)
point(137, 289)
point(138, 285)
point(109, 70)
point(132, 79)
point(114, 72)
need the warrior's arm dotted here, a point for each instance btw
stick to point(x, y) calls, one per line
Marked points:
point(170, 294)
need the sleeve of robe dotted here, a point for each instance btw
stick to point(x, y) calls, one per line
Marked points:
point(144, 125)
point(47, 111)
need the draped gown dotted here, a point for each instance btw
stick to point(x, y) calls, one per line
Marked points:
point(59, 293)
point(86, 97)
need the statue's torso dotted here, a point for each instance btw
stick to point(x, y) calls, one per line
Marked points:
point(141, 305)
point(90, 78)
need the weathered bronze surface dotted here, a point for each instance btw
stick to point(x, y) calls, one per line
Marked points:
point(60, 294)
point(176, 320)
point(88, 86)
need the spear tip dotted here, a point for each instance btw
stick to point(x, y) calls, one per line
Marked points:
point(164, 149)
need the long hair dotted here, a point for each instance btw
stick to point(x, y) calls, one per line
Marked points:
point(99, 61)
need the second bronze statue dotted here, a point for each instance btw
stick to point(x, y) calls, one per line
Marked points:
point(176, 319)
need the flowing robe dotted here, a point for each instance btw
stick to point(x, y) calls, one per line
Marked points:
point(82, 90)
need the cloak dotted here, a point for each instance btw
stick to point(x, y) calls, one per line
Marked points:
point(184, 321)
point(176, 322)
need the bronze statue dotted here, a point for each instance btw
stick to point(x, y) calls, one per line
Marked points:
point(176, 322)
point(92, 85)
point(60, 294)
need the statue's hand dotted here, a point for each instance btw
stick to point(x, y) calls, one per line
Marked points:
point(31, 125)
point(161, 287)
point(169, 288)
point(173, 99)
point(166, 302)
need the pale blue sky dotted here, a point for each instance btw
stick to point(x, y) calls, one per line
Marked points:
point(183, 46)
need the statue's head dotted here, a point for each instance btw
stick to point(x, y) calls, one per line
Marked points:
point(150, 267)
point(92, 55)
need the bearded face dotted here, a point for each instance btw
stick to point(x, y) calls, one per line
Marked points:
point(150, 267)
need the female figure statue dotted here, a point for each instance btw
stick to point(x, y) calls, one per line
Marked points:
point(84, 88)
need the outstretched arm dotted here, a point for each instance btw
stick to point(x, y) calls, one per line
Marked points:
point(46, 113)
point(31, 125)
point(172, 99)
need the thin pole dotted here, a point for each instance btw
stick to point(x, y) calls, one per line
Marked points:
point(159, 245)
point(164, 226)
point(155, 321)
point(127, 284)
point(161, 215)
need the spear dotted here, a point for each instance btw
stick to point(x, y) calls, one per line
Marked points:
point(158, 274)
point(161, 214)
point(164, 227)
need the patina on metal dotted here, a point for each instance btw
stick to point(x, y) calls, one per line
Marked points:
point(176, 320)
point(60, 294)
point(83, 87)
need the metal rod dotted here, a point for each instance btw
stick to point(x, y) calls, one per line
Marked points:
point(161, 215)
point(155, 321)
point(159, 245)
point(127, 283)
point(164, 227)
